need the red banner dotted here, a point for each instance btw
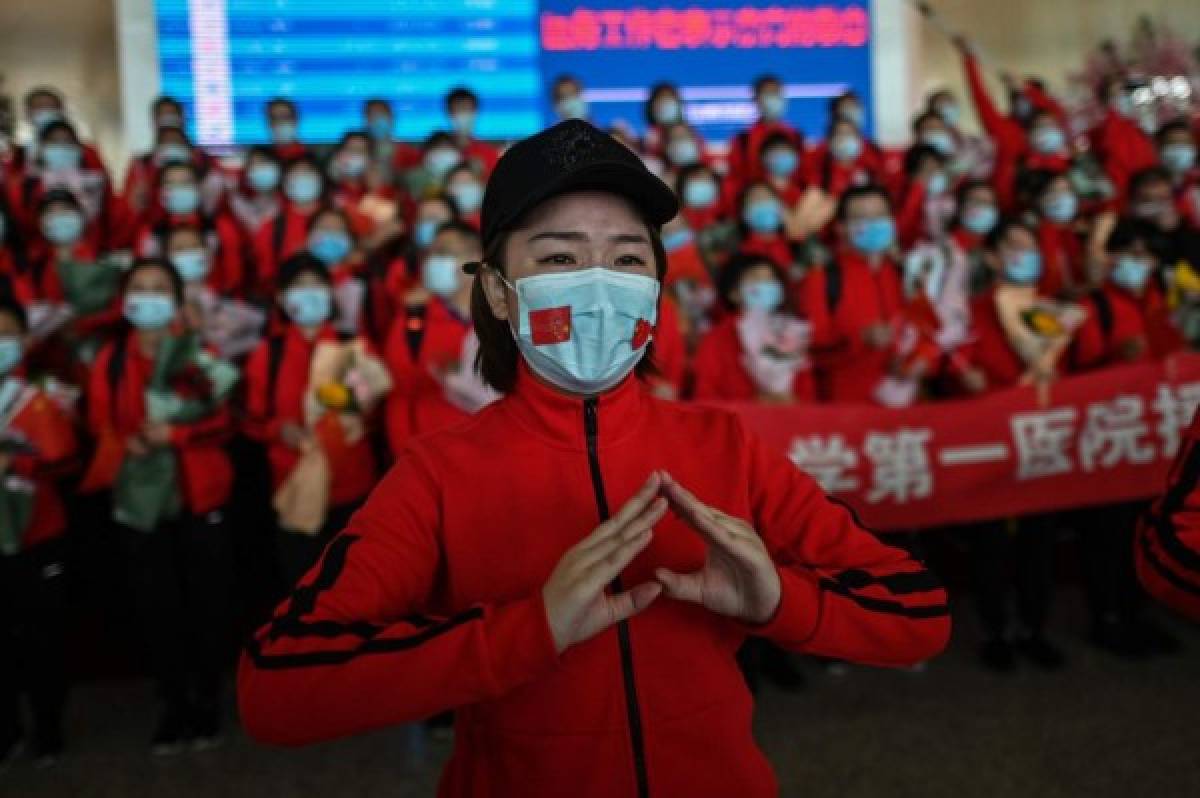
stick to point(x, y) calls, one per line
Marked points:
point(1094, 439)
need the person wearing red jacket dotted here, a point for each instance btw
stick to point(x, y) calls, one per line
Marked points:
point(44, 106)
point(702, 202)
point(1065, 270)
point(305, 192)
point(396, 156)
point(1167, 538)
point(723, 368)
point(1001, 354)
point(425, 349)
point(462, 108)
point(744, 158)
point(283, 128)
point(33, 618)
point(1177, 153)
point(179, 569)
point(1127, 322)
point(663, 108)
point(925, 201)
point(1119, 143)
point(855, 302)
point(256, 197)
point(762, 225)
point(843, 160)
point(171, 145)
point(593, 664)
point(683, 146)
point(277, 380)
point(177, 203)
point(782, 166)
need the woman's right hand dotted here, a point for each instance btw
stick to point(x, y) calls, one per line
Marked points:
point(577, 605)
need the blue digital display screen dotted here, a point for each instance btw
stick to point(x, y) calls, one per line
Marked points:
point(225, 58)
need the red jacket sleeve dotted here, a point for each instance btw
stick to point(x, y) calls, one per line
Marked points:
point(1167, 546)
point(846, 594)
point(259, 422)
point(1006, 134)
point(352, 649)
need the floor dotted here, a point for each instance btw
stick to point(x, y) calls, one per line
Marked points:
point(1102, 727)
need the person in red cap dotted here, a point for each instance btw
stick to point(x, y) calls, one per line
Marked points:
point(573, 569)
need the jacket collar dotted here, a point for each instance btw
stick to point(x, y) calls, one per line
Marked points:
point(558, 419)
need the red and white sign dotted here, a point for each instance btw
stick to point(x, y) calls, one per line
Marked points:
point(1094, 439)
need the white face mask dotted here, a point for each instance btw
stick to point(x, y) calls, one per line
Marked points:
point(585, 330)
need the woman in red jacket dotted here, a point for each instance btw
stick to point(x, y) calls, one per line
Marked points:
point(277, 381)
point(521, 567)
point(426, 347)
point(1064, 261)
point(33, 599)
point(741, 358)
point(176, 544)
point(286, 233)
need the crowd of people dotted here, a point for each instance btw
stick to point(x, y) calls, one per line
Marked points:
point(214, 347)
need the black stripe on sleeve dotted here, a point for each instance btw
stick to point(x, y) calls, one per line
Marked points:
point(884, 605)
point(898, 583)
point(1161, 568)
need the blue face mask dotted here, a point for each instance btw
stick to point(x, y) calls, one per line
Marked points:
point(180, 200)
point(938, 183)
point(424, 231)
point(772, 106)
point(308, 305)
point(700, 194)
point(283, 132)
point(940, 140)
point(42, 117)
point(1024, 267)
point(173, 153)
point(440, 274)
point(872, 236)
point(950, 113)
point(846, 148)
point(763, 216)
point(467, 196)
point(573, 107)
point(683, 152)
point(191, 264)
point(666, 111)
point(463, 122)
point(441, 160)
point(263, 177)
point(980, 219)
point(380, 127)
point(781, 163)
point(1131, 272)
point(352, 164)
point(762, 296)
point(149, 310)
point(58, 157)
point(330, 247)
point(853, 113)
point(1060, 207)
point(677, 239)
point(303, 187)
point(10, 353)
point(1049, 141)
point(585, 330)
point(62, 228)
point(1179, 158)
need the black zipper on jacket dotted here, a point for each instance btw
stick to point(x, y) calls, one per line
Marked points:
point(590, 428)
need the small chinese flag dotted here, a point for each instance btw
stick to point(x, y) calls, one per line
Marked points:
point(550, 325)
point(641, 334)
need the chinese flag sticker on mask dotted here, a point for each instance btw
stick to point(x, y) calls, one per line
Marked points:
point(641, 334)
point(550, 326)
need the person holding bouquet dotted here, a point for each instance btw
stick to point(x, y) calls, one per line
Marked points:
point(158, 406)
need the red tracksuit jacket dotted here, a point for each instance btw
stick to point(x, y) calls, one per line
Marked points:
point(718, 373)
point(278, 239)
point(276, 378)
point(1167, 547)
point(1114, 315)
point(989, 349)
point(432, 599)
point(222, 235)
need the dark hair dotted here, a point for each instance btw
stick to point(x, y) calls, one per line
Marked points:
point(142, 264)
point(186, 166)
point(835, 101)
point(461, 228)
point(436, 138)
point(330, 210)
point(564, 78)
point(775, 139)
point(498, 356)
point(925, 116)
point(58, 195)
point(43, 91)
point(461, 93)
point(761, 82)
point(691, 170)
point(731, 274)
point(284, 102)
point(740, 204)
point(377, 102)
point(1128, 231)
point(858, 192)
point(1034, 183)
point(54, 127)
point(1176, 125)
point(263, 151)
point(1144, 177)
point(1003, 227)
point(164, 100)
point(12, 306)
point(174, 229)
point(658, 88)
point(353, 134)
point(963, 191)
point(918, 154)
point(298, 265)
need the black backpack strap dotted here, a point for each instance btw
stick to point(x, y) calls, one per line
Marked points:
point(278, 231)
point(1104, 313)
point(833, 286)
point(116, 370)
point(275, 345)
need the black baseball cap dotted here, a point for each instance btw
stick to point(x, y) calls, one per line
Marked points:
point(571, 156)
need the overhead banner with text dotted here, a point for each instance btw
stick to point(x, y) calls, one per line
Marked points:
point(1093, 439)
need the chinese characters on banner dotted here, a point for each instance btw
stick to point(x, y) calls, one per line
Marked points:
point(1101, 438)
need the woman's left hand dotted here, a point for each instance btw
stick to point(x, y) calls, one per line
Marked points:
point(738, 578)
